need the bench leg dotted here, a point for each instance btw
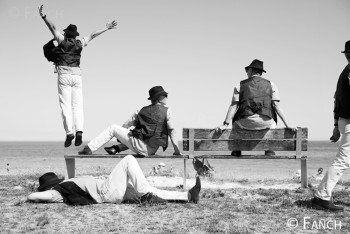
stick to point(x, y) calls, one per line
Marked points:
point(303, 162)
point(70, 164)
point(185, 172)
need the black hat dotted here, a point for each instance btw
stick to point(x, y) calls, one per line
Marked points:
point(47, 181)
point(256, 64)
point(156, 92)
point(71, 30)
point(347, 47)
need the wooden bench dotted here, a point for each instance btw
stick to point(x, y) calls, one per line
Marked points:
point(206, 143)
point(70, 161)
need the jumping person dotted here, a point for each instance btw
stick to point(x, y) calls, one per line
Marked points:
point(323, 195)
point(146, 130)
point(66, 57)
point(125, 183)
point(255, 104)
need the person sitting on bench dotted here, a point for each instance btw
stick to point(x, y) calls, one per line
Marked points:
point(152, 127)
point(126, 183)
point(255, 104)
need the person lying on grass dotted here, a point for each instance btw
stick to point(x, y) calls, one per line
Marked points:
point(125, 183)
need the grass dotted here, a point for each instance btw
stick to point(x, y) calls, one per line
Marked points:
point(235, 210)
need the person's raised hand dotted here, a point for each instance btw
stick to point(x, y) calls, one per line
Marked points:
point(112, 25)
point(41, 11)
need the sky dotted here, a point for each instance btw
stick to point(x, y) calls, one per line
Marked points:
point(196, 50)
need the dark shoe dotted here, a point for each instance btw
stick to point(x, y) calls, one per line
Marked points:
point(195, 190)
point(151, 199)
point(270, 153)
point(236, 153)
point(114, 149)
point(85, 151)
point(325, 205)
point(69, 139)
point(78, 138)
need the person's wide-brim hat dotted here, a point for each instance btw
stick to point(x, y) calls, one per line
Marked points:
point(256, 64)
point(47, 181)
point(156, 92)
point(347, 47)
point(71, 30)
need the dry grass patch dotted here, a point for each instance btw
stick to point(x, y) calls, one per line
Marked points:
point(234, 210)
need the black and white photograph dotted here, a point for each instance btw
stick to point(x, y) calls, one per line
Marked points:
point(164, 116)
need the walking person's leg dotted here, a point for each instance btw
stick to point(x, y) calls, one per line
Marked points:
point(64, 94)
point(323, 193)
point(77, 107)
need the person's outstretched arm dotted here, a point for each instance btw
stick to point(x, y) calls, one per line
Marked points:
point(280, 113)
point(111, 25)
point(336, 133)
point(229, 116)
point(45, 196)
point(49, 24)
point(174, 141)
point(171, 133)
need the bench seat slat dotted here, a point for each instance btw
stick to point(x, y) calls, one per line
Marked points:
point(277, 133)
point(247, 157)
point(122, 156)
point(245, 145)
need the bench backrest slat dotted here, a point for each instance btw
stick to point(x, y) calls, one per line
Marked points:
point(279, 139)
point(244, 145)
point(239, 134)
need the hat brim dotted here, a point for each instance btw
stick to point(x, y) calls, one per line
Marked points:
point(71, 33)
point(255, 68)
point(157, 95)
point(50, 183)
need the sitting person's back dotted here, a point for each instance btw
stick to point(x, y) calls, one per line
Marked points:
point(255, 104)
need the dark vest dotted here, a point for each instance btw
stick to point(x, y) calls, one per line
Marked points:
point(152, 127)
point(68, 53)
point(73, 195)
point(255, 97)
point(342, 95)
point(49, 51)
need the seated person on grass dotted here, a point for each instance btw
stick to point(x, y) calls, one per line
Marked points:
point(125, 183)
point(152, 128)
point(255, 104)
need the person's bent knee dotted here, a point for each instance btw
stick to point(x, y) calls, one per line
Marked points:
point(130, 158)
point(114, 127)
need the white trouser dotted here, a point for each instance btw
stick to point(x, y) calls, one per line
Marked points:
point(122, 134)
point(340, 164)
point(128, 172)
point(70, 95)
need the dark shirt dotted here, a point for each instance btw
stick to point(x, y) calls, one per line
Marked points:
point(342, 95)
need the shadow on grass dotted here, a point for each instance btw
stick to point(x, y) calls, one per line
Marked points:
point(304, 203)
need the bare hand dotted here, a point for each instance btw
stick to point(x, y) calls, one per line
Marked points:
point(220, 129)
point(294, 129)
point(111, 25)
point(336, 135)
point(41, 10)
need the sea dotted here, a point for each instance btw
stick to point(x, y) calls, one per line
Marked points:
point(40, 157)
